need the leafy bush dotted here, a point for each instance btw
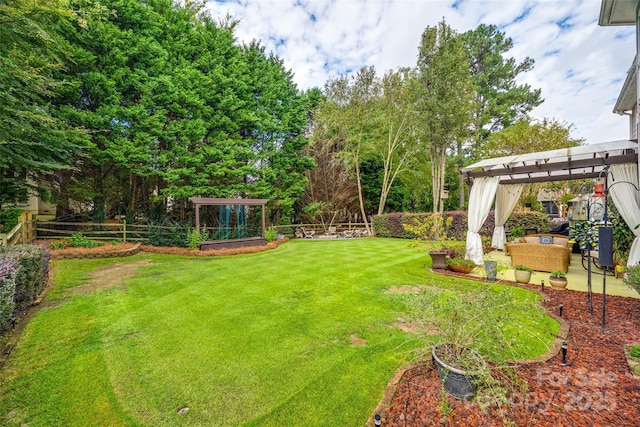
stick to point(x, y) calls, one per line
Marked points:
point(167, 233)
point(271, 234)
point(195, 237)
point(8, 219)
point(521, 267)
point(632, 277)
point(58, 244)
point(78, 240)
point(558, 274)
point(539, 220)
point(32, 275)
point(8, 269)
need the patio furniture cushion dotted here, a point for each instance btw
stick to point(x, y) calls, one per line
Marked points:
point(546, 240)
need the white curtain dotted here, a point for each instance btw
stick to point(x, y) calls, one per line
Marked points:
point(482, 194)
point(506, 199)
point(625, 197)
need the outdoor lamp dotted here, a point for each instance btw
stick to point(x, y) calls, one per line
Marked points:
point(564, 347)
point(542, 286)
point(376, 420)
point(561, 307)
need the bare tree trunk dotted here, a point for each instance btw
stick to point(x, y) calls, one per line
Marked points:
point(361, 199)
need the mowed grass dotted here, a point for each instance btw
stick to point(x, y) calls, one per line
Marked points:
point(261, 339)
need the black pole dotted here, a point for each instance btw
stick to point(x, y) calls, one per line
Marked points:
point(589, 292)
point(604, 277)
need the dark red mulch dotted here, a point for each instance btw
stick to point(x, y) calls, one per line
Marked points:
point(596, 387)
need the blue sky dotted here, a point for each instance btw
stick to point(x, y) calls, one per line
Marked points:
point(579, 66)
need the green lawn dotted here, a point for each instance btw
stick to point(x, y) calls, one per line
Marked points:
point(260, 339)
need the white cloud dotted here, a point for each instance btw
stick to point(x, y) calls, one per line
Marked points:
point(579, 66)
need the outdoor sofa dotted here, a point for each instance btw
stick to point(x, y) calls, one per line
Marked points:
point(541, 252)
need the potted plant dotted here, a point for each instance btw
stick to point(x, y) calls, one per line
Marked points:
point(522, 273)
point(632, 353)
point(558, 279)
point(461, 329)
point(460, 265)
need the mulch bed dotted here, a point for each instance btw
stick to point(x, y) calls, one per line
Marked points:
point(595, 388)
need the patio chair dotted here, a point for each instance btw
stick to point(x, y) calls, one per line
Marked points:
point(331, 231)
point(306, 234)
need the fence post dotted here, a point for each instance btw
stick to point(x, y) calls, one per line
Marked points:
point(124, 231)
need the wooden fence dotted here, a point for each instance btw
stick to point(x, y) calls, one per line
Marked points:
point(30, 229)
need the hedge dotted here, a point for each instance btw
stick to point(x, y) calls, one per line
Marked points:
point(8, 270)
point(23, 284)
point(455, 224)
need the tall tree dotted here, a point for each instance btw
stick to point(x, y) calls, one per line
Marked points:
point(499, 101)
point(34, 141)
point(528, 136)
point(446, 92)
point(350, 114)
point(398, 117)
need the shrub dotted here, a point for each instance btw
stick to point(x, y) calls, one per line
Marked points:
point(8, 219)
point(58, 244)
point(78, 240)
point(195, 237)
point(539, 220)
point(558, 274)
point(8, 269)
point(167, 233)
point(271, 234)
point(31, 276)
point(632, 277)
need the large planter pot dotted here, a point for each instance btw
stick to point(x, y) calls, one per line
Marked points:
point(522, 276)
point(438, 259)
point(457, 382)
point(559, 283)
point(634, 365)
point(461, 268)
point(491, 267)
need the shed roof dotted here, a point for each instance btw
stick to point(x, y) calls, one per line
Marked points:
point(581, 162)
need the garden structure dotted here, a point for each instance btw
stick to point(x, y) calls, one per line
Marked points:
point(233, 224)
point(614, 164)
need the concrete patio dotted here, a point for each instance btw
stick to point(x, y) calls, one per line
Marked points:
point(577, 276)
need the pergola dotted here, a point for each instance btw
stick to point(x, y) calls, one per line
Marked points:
point(502, 179)
point(230, 243)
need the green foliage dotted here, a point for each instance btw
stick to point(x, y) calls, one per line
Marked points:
point(167, 233)
point(500, 100)
point(483, 319)
point(558, 274)
point(8, 270)
point(521, 267)
point(529, 219)
point(632, 277)
point(196, 237)
point(35, 140)
point(9, 219)
point(57, 244)
point(78, 240)
point(31, 276)
point(432, 227)
point(622, 236)
point(517, 232)
point(271, 234)
point(632, 349)
point(460, 261)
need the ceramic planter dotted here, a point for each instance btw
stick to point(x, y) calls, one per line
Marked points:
point(491, 268)
point(559, 283)
point(460, 268)
point(522, 276)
